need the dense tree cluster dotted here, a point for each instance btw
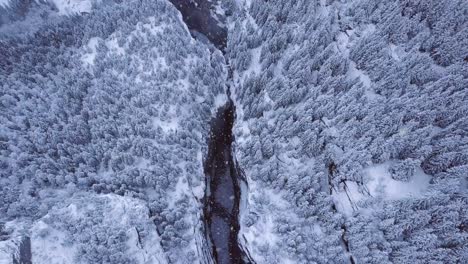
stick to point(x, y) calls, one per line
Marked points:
point(327, 89)
point(115, 101)
point(104, 123)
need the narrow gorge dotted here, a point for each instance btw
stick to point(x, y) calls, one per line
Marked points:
point(223, 193)
point(223, 177)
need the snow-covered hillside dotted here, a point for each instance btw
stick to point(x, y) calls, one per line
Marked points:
point(351, 130)
point(349, 142)
point(24, 17)
point(64, 7)
point(67, 7)
point(116, 101)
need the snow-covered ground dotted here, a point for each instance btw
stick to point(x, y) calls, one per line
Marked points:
point(52, 242)
point(350, 130)
point(156, 88)
point(68, 7)
point(65, 7)
point(28, 17)
point(4, 3)
point(332, 119)
point(380, 185)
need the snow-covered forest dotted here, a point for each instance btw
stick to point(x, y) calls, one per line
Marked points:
point(220, 131)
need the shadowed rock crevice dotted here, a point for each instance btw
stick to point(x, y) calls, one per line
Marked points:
point(198, 16)
point(223, 194)
point(223, 177)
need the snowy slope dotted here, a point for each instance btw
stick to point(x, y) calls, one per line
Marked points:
point(348, 114)
point(67, 7)
point(350, 128)
point(64, 7)
point(116, 104)
point(116, 222)
point(19, 17)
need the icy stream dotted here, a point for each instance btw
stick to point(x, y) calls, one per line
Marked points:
point(223, 191)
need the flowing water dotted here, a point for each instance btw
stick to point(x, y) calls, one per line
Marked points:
point(223, 191)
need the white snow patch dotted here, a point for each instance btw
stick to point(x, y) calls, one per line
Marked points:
point(140, 253)
point(355, 73)
point(50, 246)
point(168, 121)
point(142, 163)
point(53, 245)
point(199, 190)
point(5, 257)
point(262, 232)
point(4, 3)
point(243, 3)
point(220, 100)
point(67, 7)
point(126, 212)
point(255, 65)
point(73, 211)
point(218, 9)
point(170, 125)
point(403, 131)
point(218, 13)
point(343, 42)
point(394, 52)
point(160, 63)
point(154, 28)
point(267, 98)
point(381, 183)
point(113, 46)
point(368, 29)
point(10, 246)
point(346, 199)
point(275, 198)
point(90, 55)
point(181, 189)
point(242, 131)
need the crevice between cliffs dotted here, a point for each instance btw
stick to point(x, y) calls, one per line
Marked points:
point(223, 192)
point(223, 176)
